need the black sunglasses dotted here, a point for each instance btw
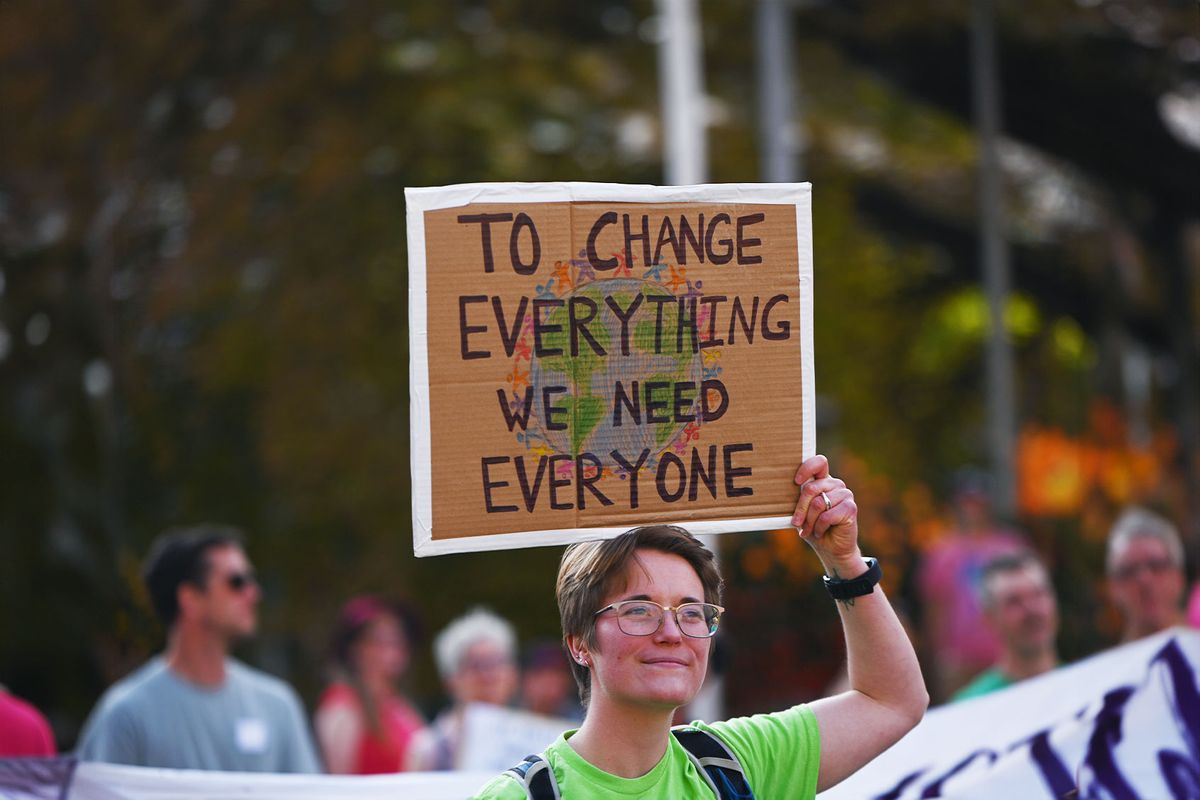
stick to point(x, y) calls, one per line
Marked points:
point(240, 581)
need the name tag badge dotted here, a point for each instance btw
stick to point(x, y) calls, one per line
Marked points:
point(251, 735)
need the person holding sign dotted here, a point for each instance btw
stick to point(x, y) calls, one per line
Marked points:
point(638, 613)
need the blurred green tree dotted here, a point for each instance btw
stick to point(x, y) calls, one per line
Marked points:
point(203, 289)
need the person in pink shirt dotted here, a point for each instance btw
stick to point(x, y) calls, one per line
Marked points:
point(950, 583)
point(23, 729)
point(364, 724)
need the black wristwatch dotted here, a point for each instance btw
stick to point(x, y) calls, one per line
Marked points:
point(840, 589)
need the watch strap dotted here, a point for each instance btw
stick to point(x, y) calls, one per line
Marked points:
point(847, 589)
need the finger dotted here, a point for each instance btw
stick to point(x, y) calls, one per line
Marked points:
point(823, 504)
point(815, 467)
point(808, 492)
point(842, 513)
point(811, 503)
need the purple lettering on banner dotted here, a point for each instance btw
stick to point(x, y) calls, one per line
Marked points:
point(1053, 770)
point(1180, 773)
point(37, 778)
point(1106, 735)
point(1186, 707)
point(1128, 745)
point(935, 789)
point(897, 790)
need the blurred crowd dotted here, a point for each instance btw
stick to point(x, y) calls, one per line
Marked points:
point(990, 619)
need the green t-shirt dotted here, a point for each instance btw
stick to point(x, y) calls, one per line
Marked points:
point(780, 754)
point(986, 682)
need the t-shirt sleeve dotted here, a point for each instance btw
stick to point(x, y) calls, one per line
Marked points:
point(300, 754)
point(338, 725)
point(780, 753)
point(111, 736)
point(501, 787)
point(44, 736)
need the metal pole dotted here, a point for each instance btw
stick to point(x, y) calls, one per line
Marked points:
point(685, 148)
point(1001, 405)
point(778, 126)
point(685, 158)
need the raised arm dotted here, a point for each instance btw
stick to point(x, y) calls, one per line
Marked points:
point(887, 695)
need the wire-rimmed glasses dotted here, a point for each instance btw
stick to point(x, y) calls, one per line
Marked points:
point(644, 617)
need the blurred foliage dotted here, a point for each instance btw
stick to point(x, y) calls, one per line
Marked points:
point(203, 291)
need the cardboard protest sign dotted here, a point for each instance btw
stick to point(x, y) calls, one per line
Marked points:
point(590, 357)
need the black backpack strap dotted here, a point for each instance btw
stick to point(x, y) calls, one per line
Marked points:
point(715, 762)
point(535, 775)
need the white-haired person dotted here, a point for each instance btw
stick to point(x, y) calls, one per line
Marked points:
point(638, 613)
point(476, 657)
point(1145, 572)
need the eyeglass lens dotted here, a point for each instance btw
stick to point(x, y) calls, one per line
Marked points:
point(1154, 566)
point(642, 618)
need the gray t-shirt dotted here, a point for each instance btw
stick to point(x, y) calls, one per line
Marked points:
point(155, 718)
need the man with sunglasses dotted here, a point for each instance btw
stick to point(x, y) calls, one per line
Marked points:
point(638, 613)
point(195, 707)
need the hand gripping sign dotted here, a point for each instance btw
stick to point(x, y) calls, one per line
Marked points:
point(590, 357)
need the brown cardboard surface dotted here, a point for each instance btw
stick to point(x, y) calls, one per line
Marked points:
point(478, 464)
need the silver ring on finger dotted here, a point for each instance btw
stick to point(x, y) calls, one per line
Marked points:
point(825, 497)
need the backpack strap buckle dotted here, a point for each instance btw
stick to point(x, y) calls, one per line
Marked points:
point(535, 775)
point(716, 764)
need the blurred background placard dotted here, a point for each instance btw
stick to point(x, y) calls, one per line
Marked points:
point(496, 738)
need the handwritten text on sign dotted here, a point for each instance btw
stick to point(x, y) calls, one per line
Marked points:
point(677, 325)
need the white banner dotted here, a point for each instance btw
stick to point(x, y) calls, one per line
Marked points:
point(64, 779)
point(1122, 725)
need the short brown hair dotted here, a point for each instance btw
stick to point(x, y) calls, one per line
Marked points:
point(1004, 564)
point(588, 569)
point(178, 556)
